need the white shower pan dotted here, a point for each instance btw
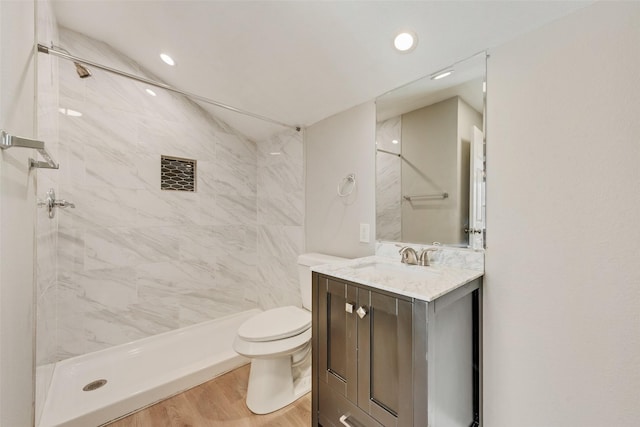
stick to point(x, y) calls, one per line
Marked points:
point(140, 373)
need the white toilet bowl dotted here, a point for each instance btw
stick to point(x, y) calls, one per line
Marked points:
point(278, 342)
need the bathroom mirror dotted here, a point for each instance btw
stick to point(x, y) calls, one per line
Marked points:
point(430, 158)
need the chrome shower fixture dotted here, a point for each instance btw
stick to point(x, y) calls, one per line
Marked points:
point(50, 203)
point(83, 72)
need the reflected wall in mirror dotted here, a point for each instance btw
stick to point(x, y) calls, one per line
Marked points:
point(430, 158)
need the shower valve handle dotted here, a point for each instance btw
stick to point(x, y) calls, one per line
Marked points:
point(63, 204)
point(51, 202)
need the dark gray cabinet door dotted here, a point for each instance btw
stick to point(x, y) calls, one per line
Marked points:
point(385, 354)
point(364, 355)
point(375, 356)
point(337, 352)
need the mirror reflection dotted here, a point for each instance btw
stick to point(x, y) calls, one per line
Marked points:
point(430, 158)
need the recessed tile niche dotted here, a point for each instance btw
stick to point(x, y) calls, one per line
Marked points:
point(177, 174)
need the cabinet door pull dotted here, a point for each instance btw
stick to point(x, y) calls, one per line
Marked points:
point(361, 312)
point(348, 307)
point(343, 421)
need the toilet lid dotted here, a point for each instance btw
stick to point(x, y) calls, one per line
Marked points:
point(274, 324)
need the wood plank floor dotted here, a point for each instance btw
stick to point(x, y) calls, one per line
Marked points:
point(219, 402)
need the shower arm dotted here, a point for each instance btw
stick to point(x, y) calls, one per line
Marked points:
point(8, 141)
point(54, 51)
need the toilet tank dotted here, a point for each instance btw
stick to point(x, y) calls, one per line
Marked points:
point(305, 262)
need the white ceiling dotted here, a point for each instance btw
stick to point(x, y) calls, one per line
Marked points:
point(299, 61)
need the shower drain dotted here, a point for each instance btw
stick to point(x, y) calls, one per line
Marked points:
point(94, 385)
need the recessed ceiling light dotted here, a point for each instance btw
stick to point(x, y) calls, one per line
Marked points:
point(395, 141)
point(441, 74)
point(70, 112)
point(275, 153)
point(405, 41)
point(167, 59)
point(150, 92)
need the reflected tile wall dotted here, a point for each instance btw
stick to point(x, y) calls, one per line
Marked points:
point(133, 260)
point(388, 184)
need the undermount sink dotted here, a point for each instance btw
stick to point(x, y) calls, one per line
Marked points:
point(398, 269)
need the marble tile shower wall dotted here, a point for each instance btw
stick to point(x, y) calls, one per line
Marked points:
point(280, 218)
point(134, 261)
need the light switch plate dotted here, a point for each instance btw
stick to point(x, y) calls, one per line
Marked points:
point(364, 233)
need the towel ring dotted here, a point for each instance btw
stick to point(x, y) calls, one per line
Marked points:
point(351, 178)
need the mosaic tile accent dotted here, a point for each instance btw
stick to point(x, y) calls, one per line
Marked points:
point(177, 174)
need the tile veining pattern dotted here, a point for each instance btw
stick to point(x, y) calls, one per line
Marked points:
point(280, 218)
point(388, 184)
point(134, 261)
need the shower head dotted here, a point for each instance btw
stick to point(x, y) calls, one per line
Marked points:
point(82, 71)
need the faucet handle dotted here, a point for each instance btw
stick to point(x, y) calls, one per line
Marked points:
point(408, 255)
point(63, 204)
point(423, 257)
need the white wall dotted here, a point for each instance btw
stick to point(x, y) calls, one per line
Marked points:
point(17, 210)
point(562, 288)
point(335, 147)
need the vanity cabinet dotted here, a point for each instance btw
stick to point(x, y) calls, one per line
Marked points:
point(370, 354)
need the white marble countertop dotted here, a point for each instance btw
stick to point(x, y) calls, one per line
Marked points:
point(424, 283)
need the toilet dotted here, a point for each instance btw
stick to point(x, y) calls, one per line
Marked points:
point(278, 342)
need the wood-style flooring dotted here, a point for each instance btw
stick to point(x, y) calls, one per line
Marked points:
point(219, 402)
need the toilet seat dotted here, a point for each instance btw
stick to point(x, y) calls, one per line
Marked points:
point(271, 349)
point(275, 332)
point(275, 324)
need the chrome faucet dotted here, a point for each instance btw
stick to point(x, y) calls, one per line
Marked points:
point(423, 257)
point(409, 255)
